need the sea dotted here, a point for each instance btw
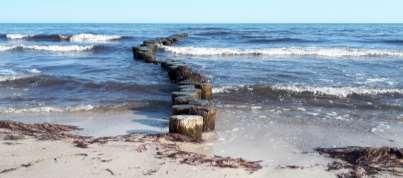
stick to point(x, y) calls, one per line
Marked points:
point(288, 87)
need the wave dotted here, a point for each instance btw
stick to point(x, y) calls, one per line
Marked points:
point(340, 91)
point(7, 48)
point(40, 37)
point(205, 28)
point(279, 40)
point(86, 37)
point(285, 52)
point(52, 48)
point(5, 78)
point(35, 71)
point(58, 48)
point(214, 33)
point(49, 81)
point(11, 75)
point(83, 37)
point(297, 90)
point(16, 36)
point(399, 42)
point(47, 109)
point(365, 40)
point(96, 107)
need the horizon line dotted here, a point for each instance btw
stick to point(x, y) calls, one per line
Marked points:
point(85, 22)
point(205, 21)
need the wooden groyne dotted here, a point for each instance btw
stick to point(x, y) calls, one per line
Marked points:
point(192, 111)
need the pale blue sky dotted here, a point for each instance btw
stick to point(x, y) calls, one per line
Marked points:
point(192, 11)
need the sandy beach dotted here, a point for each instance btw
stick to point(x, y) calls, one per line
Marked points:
point(26, 155)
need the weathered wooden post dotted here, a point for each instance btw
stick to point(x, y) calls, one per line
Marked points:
point(207, 112)
point(188, 125)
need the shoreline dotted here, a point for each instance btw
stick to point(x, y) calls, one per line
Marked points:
point(53, 139)
point(49, 150)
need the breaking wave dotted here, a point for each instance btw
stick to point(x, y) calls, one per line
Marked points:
point(279, 40)
point(11, 75)
point(83, 37)
point(49, 81)
point(96, 107)
point(339, 92)
point(16, 36)
point(86, 37)
point(7, 48)
point(52, 48)
point(47, 109)
point(285, 52)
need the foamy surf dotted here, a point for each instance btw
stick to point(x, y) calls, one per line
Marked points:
point(16, 36)
point(6, 48)
point(86, 37)
point(47, 109)
point(58, 48)
point(111, 107)
point(11, 75)
point(341, 92)
point(52, 48)
point(83, 37)
point(35, 71)
point(226, 89)
point(4, 78)
point(285, 52)
point(7, 74)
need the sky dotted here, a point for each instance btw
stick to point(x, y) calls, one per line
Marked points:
point(201, 11)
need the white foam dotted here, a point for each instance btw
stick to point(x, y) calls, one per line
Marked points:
point(285, 52)
point(9, 78)
point(8, 74)
point(376, 80)
point(47, 109)
point(381, 127)
point(225, 89)
point(58, 48)
point(55, 48)
point(81, 108)
point(332, 91)
point(338, 91)
point(16, 36)
point(86, 37)
point(35, 71)
point(380, 80)
point(7, 48)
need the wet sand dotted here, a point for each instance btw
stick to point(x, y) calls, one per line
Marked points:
point(99, 124)
point(256, 133)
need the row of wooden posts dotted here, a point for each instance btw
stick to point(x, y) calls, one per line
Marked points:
point(192, 111)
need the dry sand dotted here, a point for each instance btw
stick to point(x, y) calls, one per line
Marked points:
point(30, 157)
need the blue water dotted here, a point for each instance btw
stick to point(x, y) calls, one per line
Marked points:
point(81, 67)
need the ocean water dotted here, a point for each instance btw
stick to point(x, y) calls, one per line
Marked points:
point(345, 76)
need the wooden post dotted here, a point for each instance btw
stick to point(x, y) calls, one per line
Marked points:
point(208, 113)
point(189, 125)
